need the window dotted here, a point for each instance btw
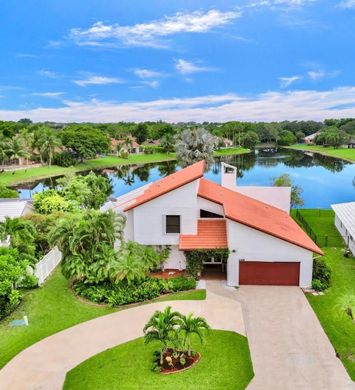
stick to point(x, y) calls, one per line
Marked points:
point(209, 214)
point(172, 224)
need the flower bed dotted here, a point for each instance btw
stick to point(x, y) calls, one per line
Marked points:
point(175, 363)
point(116, 294)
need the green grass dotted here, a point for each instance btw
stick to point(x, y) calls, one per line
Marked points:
point(53, 308)
point(343, 153)
point(196, 295)
point(31, 174)
point(322, 224)
point(338, 326)
point(225, 364)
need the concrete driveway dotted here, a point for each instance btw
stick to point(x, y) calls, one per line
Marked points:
point(289, 348)
point(43, 366)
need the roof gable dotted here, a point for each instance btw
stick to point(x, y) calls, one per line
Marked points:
point(169, 183)
point(257, 215)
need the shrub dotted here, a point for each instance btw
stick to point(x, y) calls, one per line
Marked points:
point(49, 201)
point(321, 274)
point(6, 192)
point(196, 258)
point(64, 159)
point(121, 293)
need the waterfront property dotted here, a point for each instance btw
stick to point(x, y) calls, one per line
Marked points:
point(188, 212)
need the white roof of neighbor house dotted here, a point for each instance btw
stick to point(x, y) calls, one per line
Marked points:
point(12, 208)
point(312, 136)
point(346, 213)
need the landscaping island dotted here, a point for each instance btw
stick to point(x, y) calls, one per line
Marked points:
point(225, 364)
point(29, 174)
point(342, 153)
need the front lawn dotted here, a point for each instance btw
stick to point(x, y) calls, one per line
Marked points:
point(344, 153)
point(53, 308)
point(225, 364)
point(338, 326)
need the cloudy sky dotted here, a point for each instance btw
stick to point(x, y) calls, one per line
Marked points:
point(104, 60)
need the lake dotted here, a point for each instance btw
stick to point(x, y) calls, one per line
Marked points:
point(323, 180)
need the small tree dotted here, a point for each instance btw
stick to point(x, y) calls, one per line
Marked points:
point(190, 325)
point(250, 139)
point(195, 145)
point(161, 328)
point(285, 181)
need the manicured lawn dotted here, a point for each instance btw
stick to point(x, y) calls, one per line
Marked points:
point(225, 364)
point(322, 224)
point(30, 174)
point(53, 308)
point(344, 153)
point(338, 326)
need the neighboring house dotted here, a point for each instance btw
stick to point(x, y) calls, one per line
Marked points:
point(132, 147)
point(345, 223)
point(227, 143)
point(186, 211)
point(14, 208)
point(351, 143)
point(310, 138)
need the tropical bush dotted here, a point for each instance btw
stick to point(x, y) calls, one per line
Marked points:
point(22, 236)
point(196, 258)
point(90, 191)
point(13, 271)
point(65, 159)
point(50, 201)
point(174, 331)
point(122, 293)
point(6, 192)
point(321, 274)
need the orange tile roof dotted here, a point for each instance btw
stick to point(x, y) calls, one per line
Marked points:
point(257, 215)
point(169, 183)
point(211, 234)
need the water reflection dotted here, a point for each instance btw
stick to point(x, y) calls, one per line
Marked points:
point(324, 180)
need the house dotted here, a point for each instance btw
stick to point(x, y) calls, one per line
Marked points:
point(345, 223)
point(309, 139)
point(14, 208)
point(130, 145)
point(187, 211)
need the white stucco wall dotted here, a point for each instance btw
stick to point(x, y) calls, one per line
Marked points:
point(176, 259)
point(253, 245)
point(279, 197)
point(205, 204)
point(348, 239)
point(149, 218)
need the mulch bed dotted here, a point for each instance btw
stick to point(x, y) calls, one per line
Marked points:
point(167, 274)
point(177, 366)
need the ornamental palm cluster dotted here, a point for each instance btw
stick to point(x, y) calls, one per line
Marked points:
point(174, 330)
point(195, 145)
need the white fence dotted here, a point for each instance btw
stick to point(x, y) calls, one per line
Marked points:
point(44, 267)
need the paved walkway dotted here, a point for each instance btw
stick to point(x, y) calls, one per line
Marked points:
point(43, 366)
point(288, 346)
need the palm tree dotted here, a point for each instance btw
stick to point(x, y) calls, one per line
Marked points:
point(195, 145)
point(161, 327)
point(15, 149)
point(47, 142)
point(190, 325)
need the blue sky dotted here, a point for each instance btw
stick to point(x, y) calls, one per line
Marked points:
point(177, 60)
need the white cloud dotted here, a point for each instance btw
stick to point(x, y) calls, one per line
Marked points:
point(186, 67)
point(48, 94)
point(347, 4)
point(146, 73)
point(48, 73)
point(269, 106)
point(151, 83)
point(287, 81)
point(151, 33)
point(284, 3)
point(316, 75)
point(98, 80)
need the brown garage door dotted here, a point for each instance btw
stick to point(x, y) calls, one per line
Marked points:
point(269, 273)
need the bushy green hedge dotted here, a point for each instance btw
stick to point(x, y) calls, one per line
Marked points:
point(116, 294)
point(321, 274)
point(65, 159)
